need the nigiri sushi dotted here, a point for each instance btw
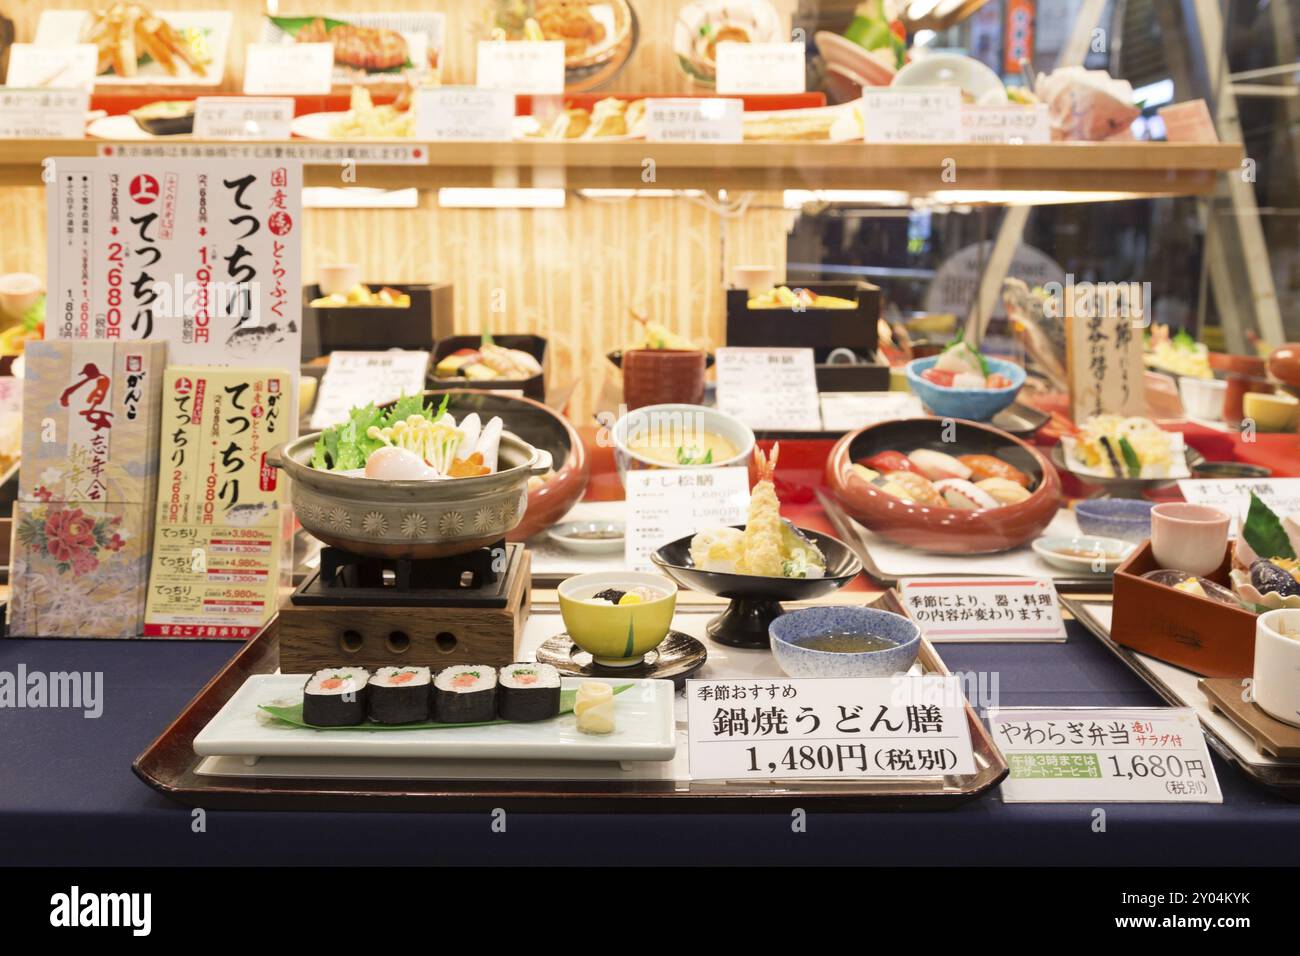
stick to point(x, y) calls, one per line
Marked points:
point(914, 487)
point(963, 495)
point(986, 466)
point(937, 465)
point(1003, 490)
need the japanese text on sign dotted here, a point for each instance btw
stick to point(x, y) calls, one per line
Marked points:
point(1149, 755)
point(770, 388)
point(534, 67)
point(664, 505)
point(711, 120)
point(904, 726)
point(893, 115)
point(464, 113)
point(202, 254)
point(984, 609)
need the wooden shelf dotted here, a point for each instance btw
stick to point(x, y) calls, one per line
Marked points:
point(1090, 170)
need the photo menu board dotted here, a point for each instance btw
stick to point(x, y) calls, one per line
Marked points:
point(204, 254)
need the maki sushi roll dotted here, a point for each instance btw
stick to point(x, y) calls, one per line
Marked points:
point(465, 694)
point(528, 692)
point(398, 695)
point(335, 697)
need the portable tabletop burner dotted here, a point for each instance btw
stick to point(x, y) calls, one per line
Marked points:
point(375, 612)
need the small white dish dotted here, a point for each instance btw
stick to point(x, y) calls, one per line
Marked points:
point(1086, 554)
point(589, 537)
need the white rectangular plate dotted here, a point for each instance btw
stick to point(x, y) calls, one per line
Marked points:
point(643, 720)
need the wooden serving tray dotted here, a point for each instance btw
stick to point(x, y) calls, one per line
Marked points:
point(1271, 736)
point(169, 765)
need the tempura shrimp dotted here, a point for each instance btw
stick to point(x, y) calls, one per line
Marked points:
point(762, 542)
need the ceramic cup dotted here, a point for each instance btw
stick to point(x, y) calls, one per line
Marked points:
point(1277, 664)
point(1187, 537)
point(338, 279)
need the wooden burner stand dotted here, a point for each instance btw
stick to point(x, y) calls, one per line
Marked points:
point(372, 612)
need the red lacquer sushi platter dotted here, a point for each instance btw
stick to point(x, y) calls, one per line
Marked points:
point(171, 766)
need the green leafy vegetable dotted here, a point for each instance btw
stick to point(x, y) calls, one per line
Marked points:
point(1264, 531)
point(347, 446)
point(1132, 463)
point(293, 715)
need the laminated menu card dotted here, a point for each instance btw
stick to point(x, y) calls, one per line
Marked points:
point(221, 518)
point(84, 515)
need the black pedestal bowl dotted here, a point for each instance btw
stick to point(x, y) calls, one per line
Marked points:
point(756, 600)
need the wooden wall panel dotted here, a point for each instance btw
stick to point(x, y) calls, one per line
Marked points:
point(568, 274)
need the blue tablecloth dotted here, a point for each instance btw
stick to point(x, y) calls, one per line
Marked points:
point(68, 797)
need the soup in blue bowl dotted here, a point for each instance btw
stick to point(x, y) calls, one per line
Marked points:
point(844, 641)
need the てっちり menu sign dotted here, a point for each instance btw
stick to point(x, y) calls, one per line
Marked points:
point(204, 254)
point(220, 523)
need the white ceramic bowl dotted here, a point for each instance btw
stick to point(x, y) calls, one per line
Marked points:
point(677, 423)
point(1202, 397)
point(338, 279)
point(19, 292)
point(1277, 665)
point(952, 69)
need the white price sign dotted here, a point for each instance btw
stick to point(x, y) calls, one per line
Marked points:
point(770, 389)
point(43, 114)
point(710, 120)
point(845, 411)
point(521, 66)
point(984, 609)
point(760, 68)
point(1232, 495)
point(779, 727)
point(243, 117)
point(1104, 755)
point(464, 113)
point(911, 115)
point(293, 69)
point(1006, 124)
point(664, 505)
point(57, 67)
point(353, 379)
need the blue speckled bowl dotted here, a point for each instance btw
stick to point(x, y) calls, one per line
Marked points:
point(973, 404)
point(1126, 518)
point(797, 661)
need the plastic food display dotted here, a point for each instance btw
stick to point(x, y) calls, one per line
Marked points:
point(944, 530)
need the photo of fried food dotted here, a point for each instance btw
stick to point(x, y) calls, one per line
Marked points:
point(570, 21)
point(127, 33)
point(364, 48)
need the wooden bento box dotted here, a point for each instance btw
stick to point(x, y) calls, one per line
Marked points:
point(1199, 634)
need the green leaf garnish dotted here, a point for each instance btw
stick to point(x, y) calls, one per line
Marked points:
point(692, 456)
point(1264, 531)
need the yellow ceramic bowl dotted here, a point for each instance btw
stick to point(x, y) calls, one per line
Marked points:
point(616, 635)
point(1271, 413)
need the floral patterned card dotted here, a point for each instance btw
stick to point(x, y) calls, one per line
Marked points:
point(83, 521)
